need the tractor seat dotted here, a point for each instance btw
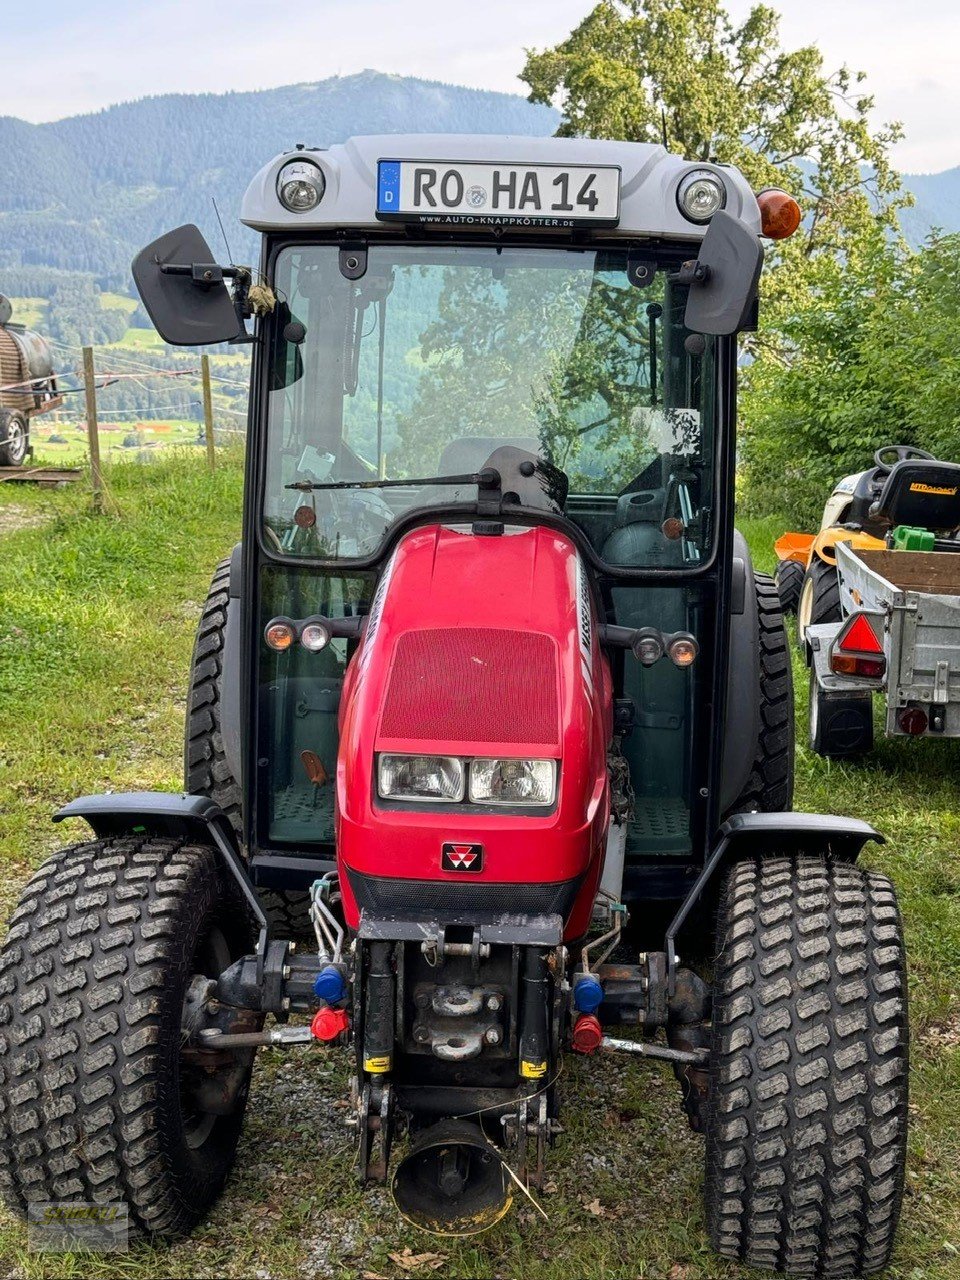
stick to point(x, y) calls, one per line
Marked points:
point(471, 453)
point(637, 539)
point(922, 494)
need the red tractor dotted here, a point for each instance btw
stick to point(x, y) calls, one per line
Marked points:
point(491, 708)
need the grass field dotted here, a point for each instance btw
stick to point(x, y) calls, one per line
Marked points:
point(96, 626)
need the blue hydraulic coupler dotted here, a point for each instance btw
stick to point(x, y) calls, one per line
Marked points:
point(587, 993)
point(330, 985)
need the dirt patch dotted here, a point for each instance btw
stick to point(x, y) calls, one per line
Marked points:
point(14, 516)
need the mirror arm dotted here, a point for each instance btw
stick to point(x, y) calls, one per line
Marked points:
point(691, 272)
point(204, 274)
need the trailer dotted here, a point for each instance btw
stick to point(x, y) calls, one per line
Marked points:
point(28, 385)
point(900, 638)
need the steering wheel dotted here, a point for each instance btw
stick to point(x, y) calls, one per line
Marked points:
point(903, 452)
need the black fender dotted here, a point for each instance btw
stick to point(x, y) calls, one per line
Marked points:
point(180, 816)
point(769, 835)
point(742, 720)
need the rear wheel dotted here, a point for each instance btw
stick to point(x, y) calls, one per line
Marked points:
point(100, 1102)
point(806, 1136)
point(789, 580)
point(819, 597)
point(207, 771)
point(839, 726)
point(769, 788)
point(14, 438)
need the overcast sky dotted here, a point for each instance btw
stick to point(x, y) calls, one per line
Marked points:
point(70, 56)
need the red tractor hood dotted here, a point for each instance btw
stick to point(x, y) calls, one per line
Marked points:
point(476, 645)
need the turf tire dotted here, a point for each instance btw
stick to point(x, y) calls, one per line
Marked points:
point(807, 1124)
point(769, 788)
point(93, 975)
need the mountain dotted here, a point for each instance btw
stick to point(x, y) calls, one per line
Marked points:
point(85, 193)
point(938, 203)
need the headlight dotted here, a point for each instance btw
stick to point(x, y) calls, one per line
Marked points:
point(426, 778)
point(300, 186)
point(531, 782)
point(700, 194)
point(314, 636)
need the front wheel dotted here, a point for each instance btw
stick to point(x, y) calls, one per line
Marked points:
point(807, 1125)
point(789, 580)
point(101, 1102)
point(819, 597)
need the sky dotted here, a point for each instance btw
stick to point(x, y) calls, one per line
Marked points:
point(88, 55)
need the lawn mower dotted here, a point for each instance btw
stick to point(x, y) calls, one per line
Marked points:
point(489, 750)
point(806, 572)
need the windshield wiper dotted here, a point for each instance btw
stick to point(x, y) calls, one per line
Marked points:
point(488, 478)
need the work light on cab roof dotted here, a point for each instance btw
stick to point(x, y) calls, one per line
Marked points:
point(491, 699)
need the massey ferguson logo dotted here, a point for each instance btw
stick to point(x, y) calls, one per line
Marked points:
point(461, 857)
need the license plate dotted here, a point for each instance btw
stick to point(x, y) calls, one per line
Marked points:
point(538, 195)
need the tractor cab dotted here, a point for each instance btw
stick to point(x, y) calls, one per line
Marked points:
point(490, 720)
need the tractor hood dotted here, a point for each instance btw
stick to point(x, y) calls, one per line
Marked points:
point(477, 646)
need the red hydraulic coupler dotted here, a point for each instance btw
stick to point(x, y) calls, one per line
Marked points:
point(329, 1023)
point(587, 1034)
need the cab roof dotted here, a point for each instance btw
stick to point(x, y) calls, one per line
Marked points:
point(650, 177)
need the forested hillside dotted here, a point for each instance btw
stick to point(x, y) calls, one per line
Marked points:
point(83, 194)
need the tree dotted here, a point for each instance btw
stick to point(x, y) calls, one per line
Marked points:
point(682, 71)
point(876, 363)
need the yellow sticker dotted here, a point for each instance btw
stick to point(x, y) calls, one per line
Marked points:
point(916, 487)
point(376, 1066)
point(533, 1070)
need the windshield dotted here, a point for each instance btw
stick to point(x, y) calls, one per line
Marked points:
point(435, 357)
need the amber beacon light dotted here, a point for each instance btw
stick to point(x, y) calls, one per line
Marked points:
point(779, 214)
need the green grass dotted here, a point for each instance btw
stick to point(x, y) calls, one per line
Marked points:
point(138, 340)
point(118, 302)
point(29, 311)
point(96, 626)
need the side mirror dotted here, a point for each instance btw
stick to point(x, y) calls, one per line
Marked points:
point(183, 290)
point(723, 280)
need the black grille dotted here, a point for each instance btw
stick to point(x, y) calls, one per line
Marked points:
point(375, 893)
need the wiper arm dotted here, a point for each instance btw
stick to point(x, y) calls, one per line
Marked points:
point(488, 478)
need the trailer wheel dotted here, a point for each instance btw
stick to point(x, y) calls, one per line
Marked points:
point(99, 1102)
point(205, 766)
point(807, 1126)
point(839, 726)
point(789, 579)
point(769, 788)
point(819, 597)
point(14, 438)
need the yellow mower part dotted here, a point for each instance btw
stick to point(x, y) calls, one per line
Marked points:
point(824, 544)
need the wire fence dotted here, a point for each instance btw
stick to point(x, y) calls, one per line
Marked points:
point(79, 396)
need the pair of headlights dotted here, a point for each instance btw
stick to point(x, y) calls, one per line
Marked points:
point(448, 779)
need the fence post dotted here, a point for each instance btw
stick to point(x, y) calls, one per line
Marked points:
point(93, 435)
point(208, 411)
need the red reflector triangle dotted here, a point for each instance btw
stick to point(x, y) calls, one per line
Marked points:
point(860, 637)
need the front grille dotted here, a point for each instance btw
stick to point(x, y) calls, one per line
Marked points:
point(376, 894)
point(473, 684)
